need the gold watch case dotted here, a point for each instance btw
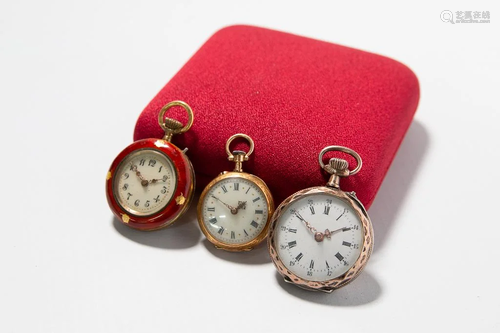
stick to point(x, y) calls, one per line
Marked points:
point(238, 157)
point(270, 209)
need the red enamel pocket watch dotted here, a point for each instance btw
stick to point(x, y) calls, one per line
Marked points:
point(150, 184)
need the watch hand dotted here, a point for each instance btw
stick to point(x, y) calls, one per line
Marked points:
point(231, 208)
point(308, 225)
point(241, 205)
point(157, 180)
point(319, 236)
point(144, 181)
point(329, 233)
point(299, 216)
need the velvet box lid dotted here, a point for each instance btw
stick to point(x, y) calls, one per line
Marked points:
point(294, 96)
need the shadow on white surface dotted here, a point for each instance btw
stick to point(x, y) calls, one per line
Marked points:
point(365, 289)
point(258, 256)
point(183, 234)
point(397, 183)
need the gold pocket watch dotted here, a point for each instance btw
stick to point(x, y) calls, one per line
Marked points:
point(235, 208)
point(321, 237)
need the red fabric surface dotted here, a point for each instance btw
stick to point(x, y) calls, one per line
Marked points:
point(294, 96)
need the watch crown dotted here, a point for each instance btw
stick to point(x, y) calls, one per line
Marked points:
point(172, 124)
point(337, 166)
point(238, 157)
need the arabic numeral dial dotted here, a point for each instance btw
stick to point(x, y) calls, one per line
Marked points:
point(144, 182)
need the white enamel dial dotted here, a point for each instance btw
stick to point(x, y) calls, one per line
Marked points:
point(308, 257)
point(144, 182)
point(234, 211)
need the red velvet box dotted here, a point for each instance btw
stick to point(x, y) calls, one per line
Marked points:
point(294, 96)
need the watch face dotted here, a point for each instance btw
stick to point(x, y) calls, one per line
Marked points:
point(145, 182)
point(234, 211)
point(313, 256)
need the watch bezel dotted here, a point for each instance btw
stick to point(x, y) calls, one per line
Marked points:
point(182, 195)
point(270, 209)
point(132, 154)
point(337, 282)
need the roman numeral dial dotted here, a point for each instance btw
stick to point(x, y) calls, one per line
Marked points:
point(309, 256)
point(240, 208)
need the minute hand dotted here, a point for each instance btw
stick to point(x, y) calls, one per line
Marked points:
point(319, 236)
point(144, 181)
point(308, 225)
point(231, 208)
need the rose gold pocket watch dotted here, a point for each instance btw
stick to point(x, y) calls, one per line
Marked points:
point(151, 182)
point(235, 208)
point(321, 237)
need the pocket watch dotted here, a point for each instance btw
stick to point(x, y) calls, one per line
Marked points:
point(321, 237)
point(151, 182)
point(235, 208)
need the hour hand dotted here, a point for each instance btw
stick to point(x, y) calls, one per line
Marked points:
point(319, 236)
point(329, 233)
point(164, 179)
point(242, 204)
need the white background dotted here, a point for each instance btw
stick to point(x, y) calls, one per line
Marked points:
point(74, 78)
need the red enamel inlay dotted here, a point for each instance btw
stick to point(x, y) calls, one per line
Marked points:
point(185, 186)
